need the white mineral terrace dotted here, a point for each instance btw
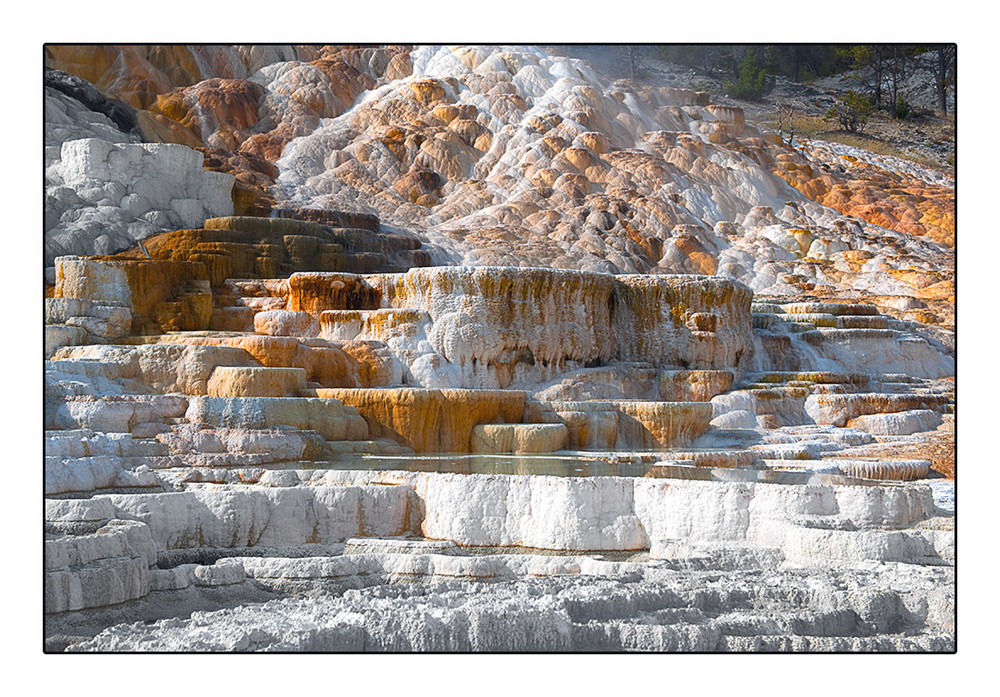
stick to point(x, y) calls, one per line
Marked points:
point(514, 439)
point(475, 349)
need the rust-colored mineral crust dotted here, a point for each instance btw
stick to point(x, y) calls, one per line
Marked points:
point(429, 420)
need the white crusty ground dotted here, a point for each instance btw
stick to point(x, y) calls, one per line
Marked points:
point(657, 608)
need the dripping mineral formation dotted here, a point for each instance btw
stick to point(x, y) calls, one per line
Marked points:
point(474, 349)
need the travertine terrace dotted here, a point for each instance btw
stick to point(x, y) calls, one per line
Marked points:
point(473, 349)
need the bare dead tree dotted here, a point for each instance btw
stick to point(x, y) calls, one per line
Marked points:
point(786, 122)
point(786, 119)
point(633, 68)
point(900, 65)
point(940, 63)
point(870, 64)
point(629, 60)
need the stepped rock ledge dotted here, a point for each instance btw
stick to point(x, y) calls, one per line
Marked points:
point(476, 348)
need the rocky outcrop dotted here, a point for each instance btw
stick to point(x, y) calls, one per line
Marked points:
point(255, 382)
point(636, 381)
point(162, 296)
point(238, 105)
point(247, 247)
point(240, 446)
point(74, 321)
point(265, 516)
point(620, 513)
point(885, 470)
point(341, 364)
point(897, 424)
point(101, 200)
point(685, 321)
point(285, 323)
point(106, 567)
point(120, 114)
point(185, 369)
point(113, 413)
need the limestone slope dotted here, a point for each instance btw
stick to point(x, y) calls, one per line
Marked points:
point(516, 156)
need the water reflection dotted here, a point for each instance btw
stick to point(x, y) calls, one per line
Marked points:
point(769, 476)
point(558, 466)
point(584, 466)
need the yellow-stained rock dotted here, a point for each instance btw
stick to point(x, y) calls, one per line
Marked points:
point(164, 295)
point(656, 322)
point(590, 430)
point(375, 364)
point(352, 364)
point(316, 292)
point(694, 385)
point(662, 424)
point(518, 438)
point(164, 367)
point(256, 382)
point(82, 278)
point(381, 325)
point(430, 420)
point(639, 425)
point(232, 319)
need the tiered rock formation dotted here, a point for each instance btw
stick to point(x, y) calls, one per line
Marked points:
point(517, 157)
point(176, 410)
point(282, 393)
point(458, 328)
